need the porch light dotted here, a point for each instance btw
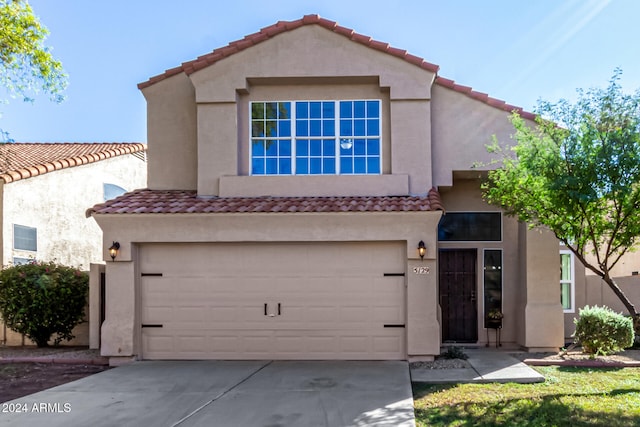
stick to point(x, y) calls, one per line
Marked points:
point(422, 250)
point(113, 250)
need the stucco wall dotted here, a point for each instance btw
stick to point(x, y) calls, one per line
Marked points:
point(55, 204)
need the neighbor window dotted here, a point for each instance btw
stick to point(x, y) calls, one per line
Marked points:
point(22, 261)
point(25, 238)
point(111, 191)
point(315, 137)
point(567, 281)
point(470, 227)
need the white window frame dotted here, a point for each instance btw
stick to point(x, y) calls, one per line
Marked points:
point(14, 238)
point(571, 283)
point(337, 138)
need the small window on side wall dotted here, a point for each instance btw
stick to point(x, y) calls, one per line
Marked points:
point(111, 191)
point(25, 238)
point(567, 281)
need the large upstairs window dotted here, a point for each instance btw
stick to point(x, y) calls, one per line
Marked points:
point(315, 137)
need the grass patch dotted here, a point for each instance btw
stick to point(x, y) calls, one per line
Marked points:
point(569, 397)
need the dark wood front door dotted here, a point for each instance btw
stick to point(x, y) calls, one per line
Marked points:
point(458, 299)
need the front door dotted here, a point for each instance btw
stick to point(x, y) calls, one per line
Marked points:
point(458, 300)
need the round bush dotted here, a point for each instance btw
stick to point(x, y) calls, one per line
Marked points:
point(600, 330)
point(42, 299)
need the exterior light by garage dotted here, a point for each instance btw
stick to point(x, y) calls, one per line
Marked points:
point(113, 250)
point(422, 250)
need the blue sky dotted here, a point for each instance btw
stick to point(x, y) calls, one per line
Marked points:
point(516, 50)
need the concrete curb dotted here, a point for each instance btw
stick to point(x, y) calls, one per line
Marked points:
point(584, 363)
point(56, 360)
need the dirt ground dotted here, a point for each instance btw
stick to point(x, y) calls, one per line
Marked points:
point(21, 379)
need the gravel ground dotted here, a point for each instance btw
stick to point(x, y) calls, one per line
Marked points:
point(48, 352)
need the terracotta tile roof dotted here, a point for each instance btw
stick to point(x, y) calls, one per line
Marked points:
point(183, 201)
point(24, 160)
point(283, 26)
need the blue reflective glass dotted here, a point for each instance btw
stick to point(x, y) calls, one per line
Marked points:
point(373, 109)
point(373, 147)
point(257, 166)
point(328, 110)
point(302, 147)
point(315, 127)
point(257, 128)
point(345, 165)
point(302, 166)
point(359, 147)
point(358, 128)
point(272, 110)
point(257, 110)
point(315, 110)
point(272, 128)
point(373, 127)
point(373, 164)
point(328, 148)
point(272, 147)
point(359, 165)
point(284, 112)
point(284, 128)
point(285, 166)
point(271, 166)
point(315, 147)
point(315, 166)
point(345, 128)
point(302, 110)
point(329, 165)
point(258, 148)
point(345, 109)
point(285, 148)
point(328, 128)
point(302, 128)
point(359, 109)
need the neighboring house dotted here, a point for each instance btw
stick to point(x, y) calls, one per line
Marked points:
point(293, 175)
point(46, 189)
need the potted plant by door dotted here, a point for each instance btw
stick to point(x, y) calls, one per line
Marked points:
point(494, 318)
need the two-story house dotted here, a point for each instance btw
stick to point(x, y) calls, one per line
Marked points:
point(297, 184)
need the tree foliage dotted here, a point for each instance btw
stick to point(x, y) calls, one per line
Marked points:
point(577, 172)
point(43, 299)
point(27, 66)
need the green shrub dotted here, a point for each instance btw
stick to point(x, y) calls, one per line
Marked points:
point(42, 299)
point(600, 330)
point(455, 352)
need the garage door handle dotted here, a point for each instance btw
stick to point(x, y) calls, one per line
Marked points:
point(279, 311)
point(265, 309)
point(151, 325)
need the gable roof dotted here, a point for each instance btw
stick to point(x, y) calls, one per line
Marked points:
point(25, 160)
point(187, 201)
point(266, 33)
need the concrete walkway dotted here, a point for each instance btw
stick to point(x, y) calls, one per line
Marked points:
point(487, 366)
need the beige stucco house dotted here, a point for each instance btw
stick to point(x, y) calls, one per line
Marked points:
point(292, 177)
point(45, 189)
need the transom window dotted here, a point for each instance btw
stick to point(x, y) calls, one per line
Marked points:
point(315, 137)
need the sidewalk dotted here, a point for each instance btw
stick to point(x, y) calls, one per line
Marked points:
point(487, 366)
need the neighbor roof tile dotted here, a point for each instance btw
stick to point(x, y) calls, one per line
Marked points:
point(25, 160)
point(183, 201)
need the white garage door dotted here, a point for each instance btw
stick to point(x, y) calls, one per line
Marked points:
point(273, 301)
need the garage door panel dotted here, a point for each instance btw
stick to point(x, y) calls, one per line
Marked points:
point(334, 301)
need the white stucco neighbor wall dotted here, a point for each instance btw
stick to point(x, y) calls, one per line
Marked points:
point(55, 203)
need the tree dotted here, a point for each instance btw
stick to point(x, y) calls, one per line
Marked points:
point(27, 66)
point(41, 299)
point(577, 173)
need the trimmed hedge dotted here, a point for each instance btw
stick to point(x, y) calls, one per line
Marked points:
point(42, 299)
point(602, 331)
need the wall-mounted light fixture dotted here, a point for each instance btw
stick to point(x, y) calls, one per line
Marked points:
point(113, 250)
point(422, 250)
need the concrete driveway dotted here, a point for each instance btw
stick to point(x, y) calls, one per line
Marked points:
point(225, 393)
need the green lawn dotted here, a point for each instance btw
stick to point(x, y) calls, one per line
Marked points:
point(569, 397)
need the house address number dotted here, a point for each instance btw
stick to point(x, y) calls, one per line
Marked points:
point(421, 270)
